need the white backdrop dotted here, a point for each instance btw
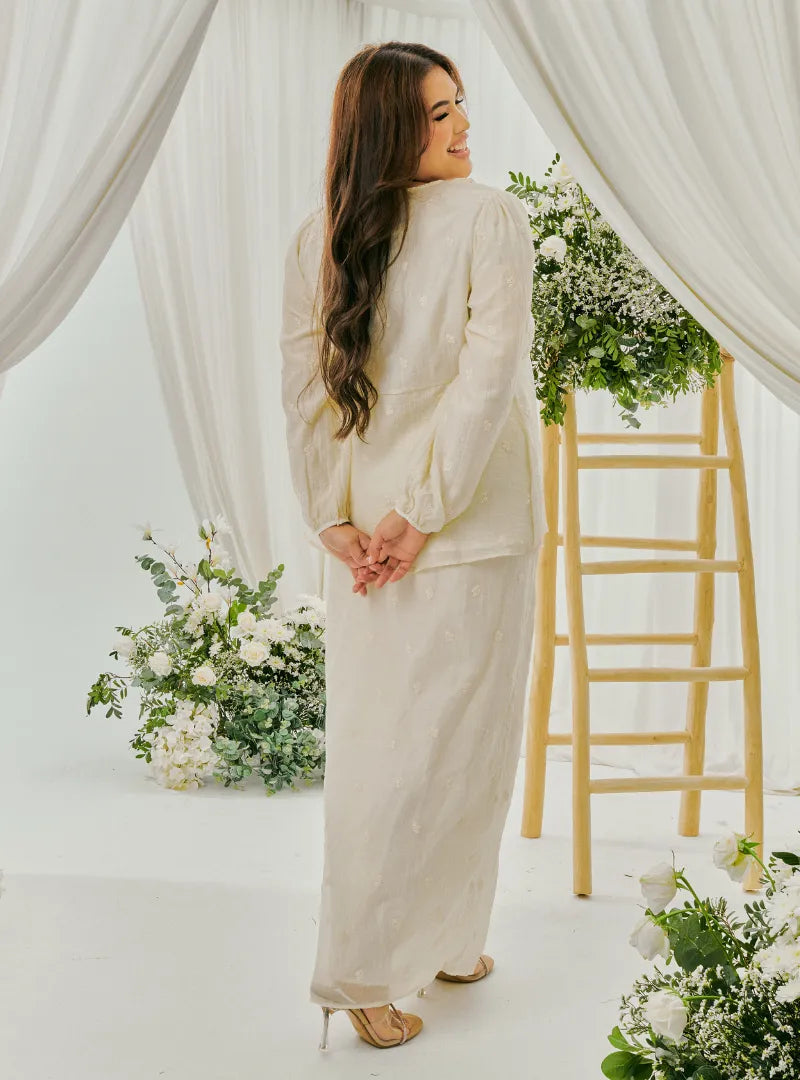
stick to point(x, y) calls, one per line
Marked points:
point(84, 424)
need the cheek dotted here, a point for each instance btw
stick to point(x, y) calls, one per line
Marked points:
point(443, 136)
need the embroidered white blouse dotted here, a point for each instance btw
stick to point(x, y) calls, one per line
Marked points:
point(453, 440)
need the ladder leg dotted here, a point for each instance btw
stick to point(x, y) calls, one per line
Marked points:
point(697, 703)
point(753, 751)
point(579, 662)
point(544, 644)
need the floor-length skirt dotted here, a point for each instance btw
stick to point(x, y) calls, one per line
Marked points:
point(425, 685)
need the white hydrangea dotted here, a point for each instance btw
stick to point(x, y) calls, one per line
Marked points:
point(181, 751)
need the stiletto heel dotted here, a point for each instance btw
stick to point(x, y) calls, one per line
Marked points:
point(408, 1023)
point(326, 1015)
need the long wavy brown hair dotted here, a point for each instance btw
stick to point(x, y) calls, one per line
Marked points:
point(379, 131)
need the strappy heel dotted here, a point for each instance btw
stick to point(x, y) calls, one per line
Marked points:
point(408, 1024)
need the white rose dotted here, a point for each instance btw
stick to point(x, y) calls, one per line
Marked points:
point(553, 247)
point(246, 621)
point(204, 676)
point(728, 857)
point(650, 939)
point(160, 663)
point(253, 652)
point(666, 1014)
point(658, 886)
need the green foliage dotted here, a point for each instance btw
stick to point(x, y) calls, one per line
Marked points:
point(269, 711)
point(602, 321)
point(736, 1026)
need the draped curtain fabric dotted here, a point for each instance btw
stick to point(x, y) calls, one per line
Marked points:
point(682, 121)
point(84, 104)
point(241, 165)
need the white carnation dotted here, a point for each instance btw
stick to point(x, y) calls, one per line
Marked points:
point(553, 247)
point(124, 646)
point(666, 1014)
point(160, 663)
point(204, 676)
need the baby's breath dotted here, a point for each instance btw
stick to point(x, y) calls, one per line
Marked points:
point(602, 321)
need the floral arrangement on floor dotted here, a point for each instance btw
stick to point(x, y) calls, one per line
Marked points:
point(228, 690)
point(731, 1008)
point(602, 320)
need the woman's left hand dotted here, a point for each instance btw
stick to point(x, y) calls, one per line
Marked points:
point(350, 544)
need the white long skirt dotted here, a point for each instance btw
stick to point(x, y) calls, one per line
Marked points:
point(425, 686)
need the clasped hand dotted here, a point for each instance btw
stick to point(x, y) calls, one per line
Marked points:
point(384, 557)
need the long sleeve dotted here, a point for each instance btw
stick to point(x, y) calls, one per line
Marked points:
point(319, 464)
point(470, 414)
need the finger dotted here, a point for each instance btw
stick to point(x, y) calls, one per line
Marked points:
point(373, 552)
point(400, 571)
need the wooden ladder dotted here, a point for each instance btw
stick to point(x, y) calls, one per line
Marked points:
point(717, 399)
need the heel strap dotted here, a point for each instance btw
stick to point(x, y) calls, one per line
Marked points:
point(395, 1012)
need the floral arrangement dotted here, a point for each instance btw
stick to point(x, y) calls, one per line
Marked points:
point(731, 1008)
point(602, 320)
point(227, 689)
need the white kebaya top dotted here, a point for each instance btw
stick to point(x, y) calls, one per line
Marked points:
point(453, 440)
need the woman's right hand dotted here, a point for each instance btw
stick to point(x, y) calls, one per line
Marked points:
point(395, 538)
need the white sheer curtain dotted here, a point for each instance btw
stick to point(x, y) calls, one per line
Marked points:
point(682, 121)
point(241, 164)
point(86, 94)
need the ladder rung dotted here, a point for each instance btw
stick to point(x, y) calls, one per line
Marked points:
point(661, 566)
point(624, 738)
point(629, 437)
point(653, 461)
point(648, 543)
point(633, 639)
point(730, 782)
point(691, 674)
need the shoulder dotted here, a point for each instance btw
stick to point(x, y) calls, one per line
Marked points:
point(485, 209)
point(305, 242)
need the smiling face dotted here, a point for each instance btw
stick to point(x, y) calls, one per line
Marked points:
point(447, 131)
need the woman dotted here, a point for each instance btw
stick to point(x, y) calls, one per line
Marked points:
point(413, 442)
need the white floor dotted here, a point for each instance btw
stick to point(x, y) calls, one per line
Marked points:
point(146, 933)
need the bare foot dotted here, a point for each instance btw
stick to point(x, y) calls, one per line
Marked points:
point(384, 1022)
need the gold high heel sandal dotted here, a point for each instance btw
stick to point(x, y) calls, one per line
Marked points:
point(482, 969)
point(409, 1024)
